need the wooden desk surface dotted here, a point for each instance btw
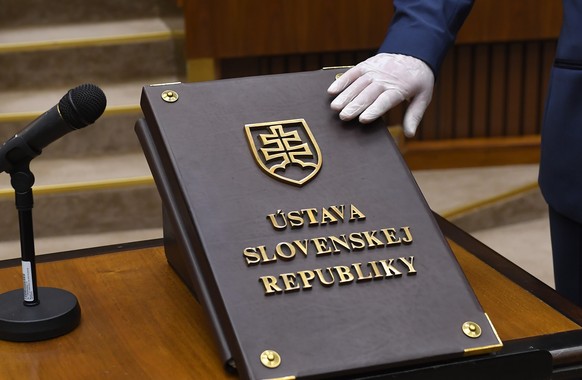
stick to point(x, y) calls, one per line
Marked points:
point(140, 321)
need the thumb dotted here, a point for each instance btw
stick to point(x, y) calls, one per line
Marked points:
point(414, 114)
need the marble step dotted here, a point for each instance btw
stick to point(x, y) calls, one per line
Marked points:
point(32, 71)
point(501, 206)
point(459, 191)
point(94, 182)
point(75, 35)
point(16, 14)
point(111, 134)
point(526, 243)
point(102, 210)
point(41, 63)
point(87, 195)
point(522, 205)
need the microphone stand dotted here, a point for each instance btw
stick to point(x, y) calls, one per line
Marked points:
point(32, 313)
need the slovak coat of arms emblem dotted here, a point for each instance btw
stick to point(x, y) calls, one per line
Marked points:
point(285, 150)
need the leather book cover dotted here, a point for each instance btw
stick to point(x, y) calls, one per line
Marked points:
point(305, 238)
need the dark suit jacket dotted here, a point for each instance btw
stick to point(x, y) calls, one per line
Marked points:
point(425, 29)
point(561, 160)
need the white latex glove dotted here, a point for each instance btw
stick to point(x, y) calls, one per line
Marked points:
point(381, 82)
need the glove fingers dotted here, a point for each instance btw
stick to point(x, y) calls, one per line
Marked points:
point(350, 93)
point(361, 101)
point(344, 81)
point(383, 103)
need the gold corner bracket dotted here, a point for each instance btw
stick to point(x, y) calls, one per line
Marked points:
point(470, 328)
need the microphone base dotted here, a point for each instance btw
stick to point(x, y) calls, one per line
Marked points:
point(58, 313)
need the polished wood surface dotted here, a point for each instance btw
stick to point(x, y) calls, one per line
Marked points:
point(515, 312)
point(139, 320)
point(233, 28)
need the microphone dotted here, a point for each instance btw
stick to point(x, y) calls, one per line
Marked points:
point(23, 317)
point(78, 108)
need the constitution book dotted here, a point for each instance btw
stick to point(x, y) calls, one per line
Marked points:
point(305, 238)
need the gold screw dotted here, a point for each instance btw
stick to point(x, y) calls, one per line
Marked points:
point(270, 359)
point(471, 329)
point(170, 96)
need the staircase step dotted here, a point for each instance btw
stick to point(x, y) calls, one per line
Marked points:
point(517, 207)
point(454, 191)
point(111, 134)
point(101, 65)
point(35, 38)
point(106, 194)
point(51, 172)
point(23, 105)
point(87, 212)
point(526, 244)
point(15, 14)
point(501, 206)
point(94, 183)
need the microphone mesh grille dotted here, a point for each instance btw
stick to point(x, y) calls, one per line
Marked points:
point(82, 105)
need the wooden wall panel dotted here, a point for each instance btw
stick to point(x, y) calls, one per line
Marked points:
point(531, 109)
point(514, 94)
point(479, 99)
point(239, 28)
point(430, 122)
point(511, 20)
point(549, 50)
point(492, 83)
point(490, 90)
point(497, 90)
point(483, 90)
point(443, 92)
point(463, 91)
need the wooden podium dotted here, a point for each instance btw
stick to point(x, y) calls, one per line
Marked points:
point(139, 319)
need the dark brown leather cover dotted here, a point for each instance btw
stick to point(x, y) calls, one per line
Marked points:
point(218, 200)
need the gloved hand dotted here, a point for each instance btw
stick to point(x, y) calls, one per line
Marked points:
point(381, 82)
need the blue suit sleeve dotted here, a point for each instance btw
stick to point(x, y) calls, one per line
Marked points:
point(425, 29)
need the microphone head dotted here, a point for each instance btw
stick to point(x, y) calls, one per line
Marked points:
point(82, 105)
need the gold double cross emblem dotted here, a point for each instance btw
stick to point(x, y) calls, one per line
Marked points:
point(285, 150)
